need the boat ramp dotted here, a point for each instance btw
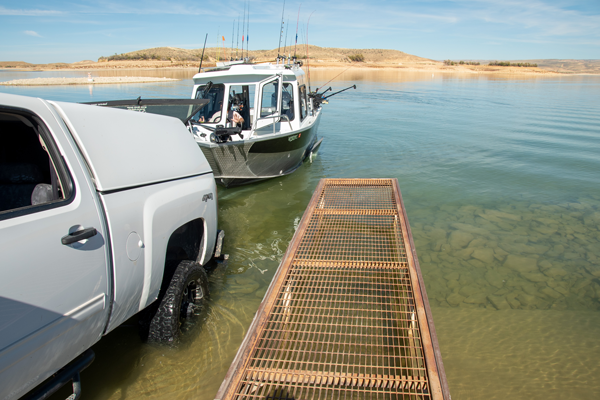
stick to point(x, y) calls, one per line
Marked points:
point(346, 315)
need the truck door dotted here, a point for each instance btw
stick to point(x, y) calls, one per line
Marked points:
point(53, 257)
point(269, 107)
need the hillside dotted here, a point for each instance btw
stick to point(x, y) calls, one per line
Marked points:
point(315, 52)
point(172, 57)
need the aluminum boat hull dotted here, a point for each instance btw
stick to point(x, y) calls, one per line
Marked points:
point(241, 162)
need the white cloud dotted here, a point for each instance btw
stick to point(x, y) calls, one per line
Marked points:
point(29, 13)
point(33, 33)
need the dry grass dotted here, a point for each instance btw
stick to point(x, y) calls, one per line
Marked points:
point(172, 57)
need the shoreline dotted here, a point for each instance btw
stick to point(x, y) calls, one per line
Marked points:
point(432, 66)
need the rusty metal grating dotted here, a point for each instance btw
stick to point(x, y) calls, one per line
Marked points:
point(345, 315)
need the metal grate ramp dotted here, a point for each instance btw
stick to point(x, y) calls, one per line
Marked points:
point(346, 315)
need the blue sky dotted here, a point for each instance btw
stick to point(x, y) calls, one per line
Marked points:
point(64, 31)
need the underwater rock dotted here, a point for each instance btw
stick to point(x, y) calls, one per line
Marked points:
point(485, 255)
point(504, 215)
point(551, 292)
point(455, 299)
point(521, 264)
point(469, 228)
point(495, 279)
point(511, 299)
point(555, 272)
point(452, 276)
point(523, 248)
point(460, 239)
point(499, 302)
point(478, 298)
point(464, 254)
point(593, 269)
point(453, 284)
point(469, 290)
point(476, 263)
point(534, 276)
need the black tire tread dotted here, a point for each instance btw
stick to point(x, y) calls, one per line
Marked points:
point(164, 325)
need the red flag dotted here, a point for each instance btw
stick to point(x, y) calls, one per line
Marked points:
point(242, 38)
point(223, 38)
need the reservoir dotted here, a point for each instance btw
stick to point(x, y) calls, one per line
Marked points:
point(500, 180)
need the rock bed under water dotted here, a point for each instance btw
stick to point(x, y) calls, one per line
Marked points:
point(521, 256)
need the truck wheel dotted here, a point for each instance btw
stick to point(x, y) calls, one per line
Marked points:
point(185, 296)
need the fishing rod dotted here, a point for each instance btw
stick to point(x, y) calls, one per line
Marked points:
point(307, 58)
point(247, 31)
point(339, 91)
point(319, 99)
point(333, 79)
point(280, 31)
point(237, 44)
point(202, 58)
point(243, 29)
point(297, 21)
point(232, 36)
point(286, 32)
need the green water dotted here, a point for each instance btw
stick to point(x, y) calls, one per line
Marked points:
point(500, 179)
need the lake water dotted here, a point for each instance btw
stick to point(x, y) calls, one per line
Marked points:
point(500, 177)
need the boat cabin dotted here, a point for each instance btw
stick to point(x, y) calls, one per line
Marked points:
point(270, 98)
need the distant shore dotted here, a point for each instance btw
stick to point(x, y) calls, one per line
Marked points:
point(428, 66)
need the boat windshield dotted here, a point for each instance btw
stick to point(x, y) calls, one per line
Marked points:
point(214, 93)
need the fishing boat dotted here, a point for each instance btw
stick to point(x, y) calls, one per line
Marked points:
point(260, 122)
point(251, 121)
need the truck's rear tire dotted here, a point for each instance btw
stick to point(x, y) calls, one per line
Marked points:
point(185, 296)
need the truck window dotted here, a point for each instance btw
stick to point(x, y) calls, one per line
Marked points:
point(29, 177)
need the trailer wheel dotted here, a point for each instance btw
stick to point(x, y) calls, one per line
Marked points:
point(184, 297)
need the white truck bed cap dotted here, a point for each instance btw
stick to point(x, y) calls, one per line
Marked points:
point(126, 148)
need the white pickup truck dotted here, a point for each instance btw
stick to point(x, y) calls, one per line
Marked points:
point(102, 212)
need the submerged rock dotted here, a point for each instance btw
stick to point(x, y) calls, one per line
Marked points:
point(521, 264)
point(460, 239)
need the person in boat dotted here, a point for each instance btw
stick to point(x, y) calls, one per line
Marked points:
point(234, 116)
point(216, 117)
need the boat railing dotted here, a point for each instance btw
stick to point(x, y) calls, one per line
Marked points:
point(272, 117)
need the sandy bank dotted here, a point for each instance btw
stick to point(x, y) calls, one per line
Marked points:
point(84, 81)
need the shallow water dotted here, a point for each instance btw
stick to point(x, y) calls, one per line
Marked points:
point(500, 179)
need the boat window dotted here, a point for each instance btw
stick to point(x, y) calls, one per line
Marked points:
point(268, 101)
point(212, 111)
point(287, 101)
point(30, 180)
point(303, 107)
point(242, 101)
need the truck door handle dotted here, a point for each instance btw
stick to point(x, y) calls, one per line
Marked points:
point(78, 236)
